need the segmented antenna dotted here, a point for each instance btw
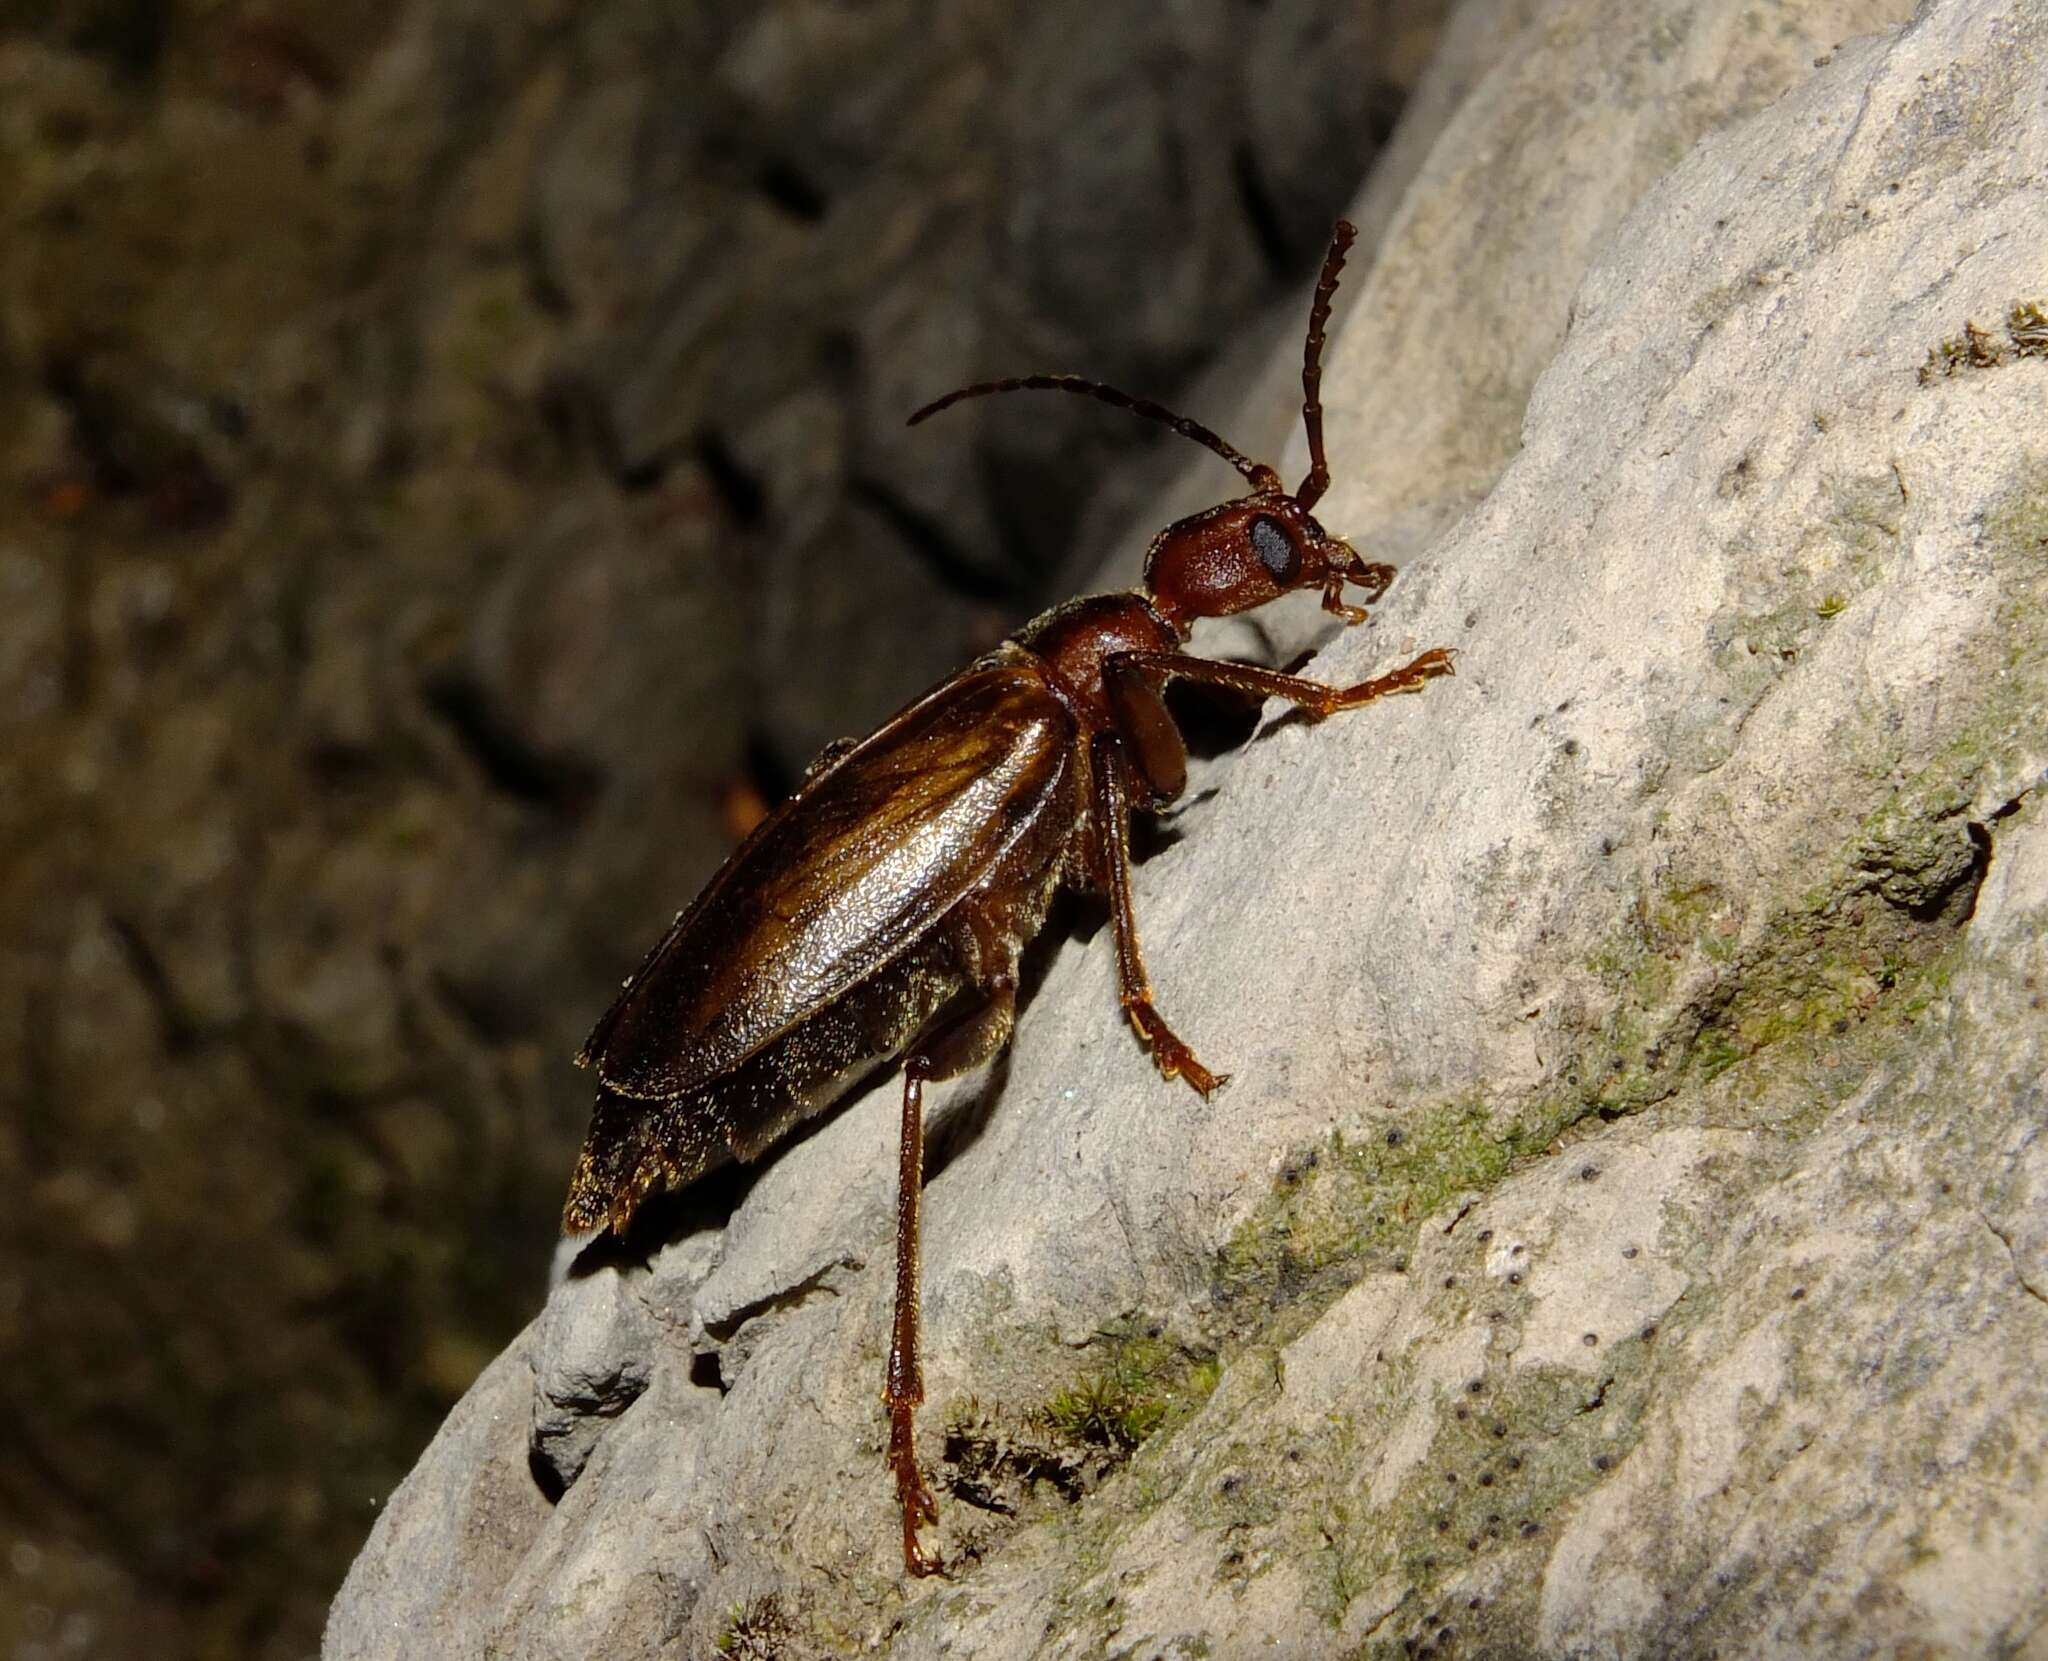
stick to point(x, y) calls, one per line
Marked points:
point(1318, 479)
point(1261, 477)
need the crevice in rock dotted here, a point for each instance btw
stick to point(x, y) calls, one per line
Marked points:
point(790, 1297)
point(793, 190)
point(174, 1026)
point(738, 487)
point(564, 785)
point(931, 545)
point(1256, 203)
point(2039, 1294)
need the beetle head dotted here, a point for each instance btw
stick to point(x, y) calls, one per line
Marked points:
point(1251, 551)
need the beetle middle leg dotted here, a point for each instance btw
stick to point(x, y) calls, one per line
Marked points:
point(1113, 816)
point(966, 1041)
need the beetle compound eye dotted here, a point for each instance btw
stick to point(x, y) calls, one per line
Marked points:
point(1276, 550)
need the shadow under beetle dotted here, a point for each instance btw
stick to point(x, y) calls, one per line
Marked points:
point(881, 910)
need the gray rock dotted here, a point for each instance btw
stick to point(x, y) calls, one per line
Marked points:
point(1623, 1235)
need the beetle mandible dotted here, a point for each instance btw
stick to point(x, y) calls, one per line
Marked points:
point(881, 910)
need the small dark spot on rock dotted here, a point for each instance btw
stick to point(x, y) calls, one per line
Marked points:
point(1500, 1428)
point(1514, 1461)
point(1518, 1250)
point(1486, 1479)
point(1630, 1251)
point(1463, 1412)
point(1400, 1265)
point(1450, 1476)
point(1589, 1173)
point(1798, 1292)
point(1443, 1525)
point(1515, 1279)
point(1230, 1484)
point(1394, 1138)
point(1474, 1386)
point(1450, 1281)
point(1591, 1340)
point(1649, 1332)
point(1471, 619)
point(1485, 1235)
point(1603, 1461)
point(1528, 1530)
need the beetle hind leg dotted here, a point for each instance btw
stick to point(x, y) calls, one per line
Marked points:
point(966, 1041)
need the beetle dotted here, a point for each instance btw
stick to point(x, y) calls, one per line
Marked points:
point(881, 910)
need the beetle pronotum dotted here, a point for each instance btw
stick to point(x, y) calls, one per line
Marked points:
point(881, 910)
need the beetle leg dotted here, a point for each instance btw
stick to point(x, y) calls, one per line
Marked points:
point(962, 1043)
point(1152, 738)
point(1113, 813)
point(1316, 697)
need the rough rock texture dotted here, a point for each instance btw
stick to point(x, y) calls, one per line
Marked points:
point(1625, 1232)
point(439, 442)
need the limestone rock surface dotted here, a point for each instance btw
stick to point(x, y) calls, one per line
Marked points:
point(1624, 1234)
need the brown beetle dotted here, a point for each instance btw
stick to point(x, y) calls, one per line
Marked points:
point(881, 910)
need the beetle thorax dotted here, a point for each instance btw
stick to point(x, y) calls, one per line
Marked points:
point(1073, 641)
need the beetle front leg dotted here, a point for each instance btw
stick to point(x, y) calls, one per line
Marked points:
point(1318, 698)
point(962, 1043)
point(1113, 814)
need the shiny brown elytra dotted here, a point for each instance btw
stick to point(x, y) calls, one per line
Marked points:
point(882, 909)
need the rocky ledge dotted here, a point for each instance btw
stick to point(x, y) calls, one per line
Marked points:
point(1627, 1231)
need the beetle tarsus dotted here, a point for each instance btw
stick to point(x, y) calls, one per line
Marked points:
point(1169, 1054)
point(1409, 677)
point(913, 1498)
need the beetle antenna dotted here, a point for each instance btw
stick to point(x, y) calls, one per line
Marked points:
point(1262, 478)
point(1318, 479)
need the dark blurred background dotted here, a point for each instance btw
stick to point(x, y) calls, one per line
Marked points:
point(452, 477)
